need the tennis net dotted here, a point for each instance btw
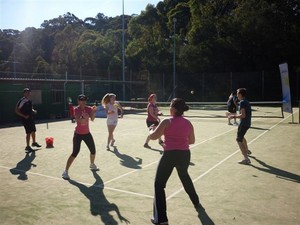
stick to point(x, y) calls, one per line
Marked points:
point(267, 109)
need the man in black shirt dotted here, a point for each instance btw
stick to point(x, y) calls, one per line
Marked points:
point(25, 110)
point(245, 123)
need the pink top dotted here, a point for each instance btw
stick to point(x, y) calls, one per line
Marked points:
point(82, 118)
point(155, 111)
point(177, 134)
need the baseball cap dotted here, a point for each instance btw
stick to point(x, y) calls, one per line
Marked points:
point(82, 97)
point(26, 89)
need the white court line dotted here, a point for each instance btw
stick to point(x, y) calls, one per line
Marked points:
point(225, 159)
point(148, 196)
point(125, 174)
point(87, 184)
point(219, 135)
point(209, 139)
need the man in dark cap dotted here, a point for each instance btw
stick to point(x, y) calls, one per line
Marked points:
point(25, 110)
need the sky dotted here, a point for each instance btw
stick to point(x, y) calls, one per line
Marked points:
point(19, 14)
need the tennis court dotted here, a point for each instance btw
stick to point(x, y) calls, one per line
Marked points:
point(263, 193)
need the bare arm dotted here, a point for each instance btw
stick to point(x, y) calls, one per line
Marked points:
point(242, 114)
point(158, 131)
point(107, 110)
point(18, 112)
point(121, 109)
point(192, 136)
point(93, 113)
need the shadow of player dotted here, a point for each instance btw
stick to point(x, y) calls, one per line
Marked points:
point(99, 205)
point(203, 217)
point(276, 171)
point(127, 160)
point(23, 166)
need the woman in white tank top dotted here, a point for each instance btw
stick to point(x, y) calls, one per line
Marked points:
point(112, 108)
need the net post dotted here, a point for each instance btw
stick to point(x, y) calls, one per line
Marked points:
point(299, 111)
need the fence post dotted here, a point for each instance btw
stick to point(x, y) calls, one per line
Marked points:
point(263, 85)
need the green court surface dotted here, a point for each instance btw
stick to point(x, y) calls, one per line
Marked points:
point(121, 192)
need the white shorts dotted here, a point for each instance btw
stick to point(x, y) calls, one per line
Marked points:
point(112, 122)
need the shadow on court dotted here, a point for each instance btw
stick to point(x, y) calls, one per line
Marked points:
point(127, 160)
point(204, 218)
point(276, 171)
point(23, 166)
point(99, 205)
point(259, 128)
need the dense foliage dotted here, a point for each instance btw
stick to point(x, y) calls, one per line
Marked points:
point(211, 36)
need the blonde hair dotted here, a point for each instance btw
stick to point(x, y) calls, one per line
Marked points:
point(106, 98)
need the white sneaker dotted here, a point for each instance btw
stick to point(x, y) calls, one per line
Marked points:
point(245, 161)
point(65, 175)
point(93, 167)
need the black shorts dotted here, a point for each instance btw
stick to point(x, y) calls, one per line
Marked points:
point(29, 125)
point(232, 109)
point(241, 133)
point(149, 123)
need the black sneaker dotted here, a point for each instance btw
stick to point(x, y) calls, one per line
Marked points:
point(147, 146)
point(161, 223)
point(28, 149)
point(35, 144)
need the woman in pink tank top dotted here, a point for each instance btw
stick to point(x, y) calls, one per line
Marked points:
point(82, 115)
point(179, 134)
point(152, 117)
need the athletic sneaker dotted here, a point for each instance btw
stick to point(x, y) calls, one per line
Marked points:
point(249, 152)
point(65, 175)
point(161, 223)
point(146, 145)
point(107, 148)
point(35, 144)
point(245, 161)
point(93, 166)
point(28, 149)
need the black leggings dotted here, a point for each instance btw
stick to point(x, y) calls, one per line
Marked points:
point(89, 141)
point(170, 159)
